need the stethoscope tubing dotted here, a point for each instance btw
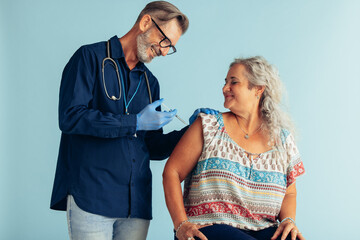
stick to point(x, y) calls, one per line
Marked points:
point(108, 57)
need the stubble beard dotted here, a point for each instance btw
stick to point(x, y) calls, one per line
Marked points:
point(142, 46)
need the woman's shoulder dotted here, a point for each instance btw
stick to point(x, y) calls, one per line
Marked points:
point(227, 115)
point(286, 137)
point(284, 133)
point(209, 115)
point(211, 119)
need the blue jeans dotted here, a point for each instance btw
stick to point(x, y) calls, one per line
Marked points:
point(87, 226)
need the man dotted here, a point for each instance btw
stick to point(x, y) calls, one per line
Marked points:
point(110, 129)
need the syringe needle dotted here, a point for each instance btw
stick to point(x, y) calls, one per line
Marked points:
point(168, 109)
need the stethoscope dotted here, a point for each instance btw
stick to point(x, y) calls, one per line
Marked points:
point(120, 82)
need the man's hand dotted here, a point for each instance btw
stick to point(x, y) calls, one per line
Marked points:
point(202, 110)
point(150, 119)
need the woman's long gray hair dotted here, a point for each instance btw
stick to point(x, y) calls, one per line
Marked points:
point(261, 73)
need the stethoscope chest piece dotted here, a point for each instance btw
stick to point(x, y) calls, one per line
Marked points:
point(112, 61)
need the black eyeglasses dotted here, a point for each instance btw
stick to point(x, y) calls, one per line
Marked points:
point(165, 42)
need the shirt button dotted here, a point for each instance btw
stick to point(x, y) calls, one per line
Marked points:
point(133, 160)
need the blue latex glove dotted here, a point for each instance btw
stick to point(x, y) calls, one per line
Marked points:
point(150, 119)
point(202, 110)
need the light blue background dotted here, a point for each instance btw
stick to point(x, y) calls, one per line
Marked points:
point(315, 45)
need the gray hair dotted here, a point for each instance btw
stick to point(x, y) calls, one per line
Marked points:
point(261, 73)
point(163, 12)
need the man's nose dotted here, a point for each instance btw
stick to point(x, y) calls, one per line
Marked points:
point(164, 51)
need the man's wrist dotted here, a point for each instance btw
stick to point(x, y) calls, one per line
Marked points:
point(137, 122)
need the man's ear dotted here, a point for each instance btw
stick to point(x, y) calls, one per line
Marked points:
point(145, 23)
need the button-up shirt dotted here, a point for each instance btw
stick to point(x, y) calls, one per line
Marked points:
point(103, 161)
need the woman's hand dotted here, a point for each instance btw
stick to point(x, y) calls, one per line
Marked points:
point(285, 228)
point(189, 230)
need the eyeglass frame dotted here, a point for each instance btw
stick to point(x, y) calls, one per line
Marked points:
point(165, 38)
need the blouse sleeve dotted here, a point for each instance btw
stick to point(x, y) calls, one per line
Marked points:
point(209, 127)
point(295, 167)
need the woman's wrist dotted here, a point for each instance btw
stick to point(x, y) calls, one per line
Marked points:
point(180, 225)
point(288, 219)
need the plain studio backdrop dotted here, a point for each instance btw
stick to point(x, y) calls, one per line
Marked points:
point(314, 44)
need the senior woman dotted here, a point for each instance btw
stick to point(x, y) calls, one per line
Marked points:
point(240, 166)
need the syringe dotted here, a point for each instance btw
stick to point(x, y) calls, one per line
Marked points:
point(168, 109)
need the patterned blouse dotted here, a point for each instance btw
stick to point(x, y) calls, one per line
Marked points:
point(229, 186)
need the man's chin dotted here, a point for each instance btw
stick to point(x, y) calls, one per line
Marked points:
point(145, 60)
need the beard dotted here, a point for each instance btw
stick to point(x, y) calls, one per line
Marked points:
point(142, 47)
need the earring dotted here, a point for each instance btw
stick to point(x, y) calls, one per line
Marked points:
point(257, 96)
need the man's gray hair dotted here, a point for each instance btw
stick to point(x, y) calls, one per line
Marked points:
point(162, 12)
point(261, 73)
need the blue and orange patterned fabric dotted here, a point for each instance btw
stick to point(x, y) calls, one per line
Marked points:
point(231, 186)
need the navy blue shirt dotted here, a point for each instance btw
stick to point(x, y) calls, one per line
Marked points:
point(102, 162)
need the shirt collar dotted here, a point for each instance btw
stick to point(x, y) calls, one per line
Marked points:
point(116, 48)
point(118, 52)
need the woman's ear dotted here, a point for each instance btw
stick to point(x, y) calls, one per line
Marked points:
point(260, 90)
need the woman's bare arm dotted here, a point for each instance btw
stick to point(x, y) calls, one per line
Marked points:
point(181, 162)
point(288, 210)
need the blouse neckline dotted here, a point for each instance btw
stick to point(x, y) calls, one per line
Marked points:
point(222, 125)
